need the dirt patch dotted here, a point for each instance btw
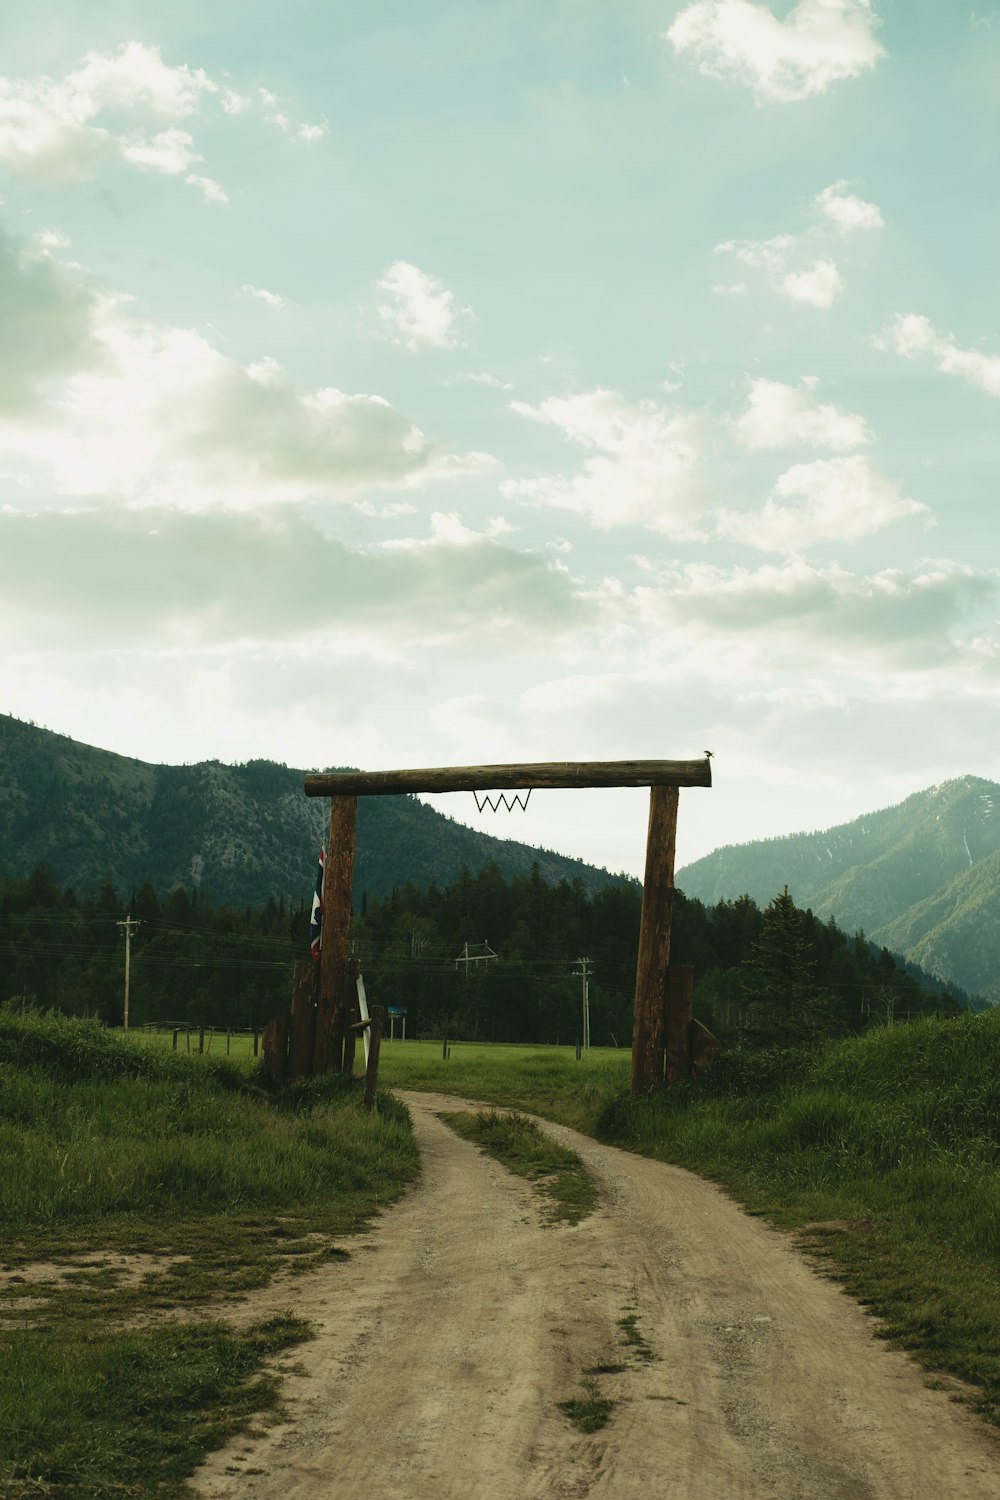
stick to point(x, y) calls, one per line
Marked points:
point(124, 1269)
point(447, 1341)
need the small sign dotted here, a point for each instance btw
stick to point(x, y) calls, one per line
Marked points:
point(395, 1010)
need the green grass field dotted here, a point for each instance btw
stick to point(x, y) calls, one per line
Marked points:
point(113, 1149)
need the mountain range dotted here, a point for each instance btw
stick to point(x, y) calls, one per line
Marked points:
point(242, 833)
point(921, 878)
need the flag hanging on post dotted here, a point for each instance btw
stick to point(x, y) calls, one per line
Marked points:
point(316, 919)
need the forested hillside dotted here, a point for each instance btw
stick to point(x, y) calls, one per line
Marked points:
point(922, 878)
point(238, 833)
point(231, 966)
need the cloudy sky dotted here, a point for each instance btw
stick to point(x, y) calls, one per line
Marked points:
point(395, 385)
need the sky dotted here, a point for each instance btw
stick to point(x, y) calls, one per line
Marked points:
point(390, 385)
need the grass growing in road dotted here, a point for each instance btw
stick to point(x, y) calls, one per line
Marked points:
point(589, 1411)
point(887, 1145)
point(523, 1148)
point(112, 1152)
point(629, 1325)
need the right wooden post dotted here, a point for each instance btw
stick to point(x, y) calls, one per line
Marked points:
point(650, 1023)
point(680, 990)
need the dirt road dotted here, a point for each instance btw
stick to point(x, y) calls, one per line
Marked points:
point(458, 1324)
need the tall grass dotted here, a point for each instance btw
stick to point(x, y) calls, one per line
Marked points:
point(91, 1126)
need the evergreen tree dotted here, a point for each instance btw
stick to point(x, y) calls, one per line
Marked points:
point(787, 1008)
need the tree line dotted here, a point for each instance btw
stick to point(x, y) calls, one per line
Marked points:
point(482, 957)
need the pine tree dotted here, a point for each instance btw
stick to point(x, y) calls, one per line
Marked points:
point(787, 1009)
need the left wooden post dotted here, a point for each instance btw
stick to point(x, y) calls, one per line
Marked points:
point(333, 1003)
point(275, 1040)
point(300, 1051)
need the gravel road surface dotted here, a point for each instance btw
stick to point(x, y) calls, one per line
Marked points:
point(446, 1341)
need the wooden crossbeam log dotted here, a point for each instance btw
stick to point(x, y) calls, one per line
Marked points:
point(568, 774)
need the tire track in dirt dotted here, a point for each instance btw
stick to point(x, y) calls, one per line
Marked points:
point(460, 1321)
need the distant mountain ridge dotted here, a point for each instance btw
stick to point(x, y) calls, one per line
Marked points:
point(922, 878)
point(243, 833)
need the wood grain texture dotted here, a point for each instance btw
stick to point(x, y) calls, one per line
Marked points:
point(680, 992)
point(305, 984)
point(274, 1038)
point(649, 1027)
point(581, 773)
point(331, 1014)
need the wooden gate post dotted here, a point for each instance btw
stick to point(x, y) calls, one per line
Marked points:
point(331, 1013)
point(649, 1033)
point(275, 1038)
point(304, 988)
point(680, 992)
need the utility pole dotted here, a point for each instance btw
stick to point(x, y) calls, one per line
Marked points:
point(584, 972)
point(129, 924)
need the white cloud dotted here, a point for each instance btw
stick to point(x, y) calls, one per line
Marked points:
point(832, 499)
point(52, 239)
point(170, 151)
point(183, 580)
point(643, 471)
point(819, 286)
point(273, 300)
point(152, 414)
point(846, 211)
point(49, 323)
point(785, 416)
point(275, 115)
point(799, 266)
point(211, 190)
point(796, 612)
point(448, 529)
point(420, 314)
point(913, 335)
point(60, 130)
point(481, 377)
point(820, 42)
point(768, 255)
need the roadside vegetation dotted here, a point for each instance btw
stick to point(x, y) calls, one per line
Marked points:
point(142, 1196)
point(569, 1191)
point(881, 1152)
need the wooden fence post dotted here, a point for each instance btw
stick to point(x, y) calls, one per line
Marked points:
point(649, 1034)
point(680, 989)
point(331, 1013)
point(371, 1072)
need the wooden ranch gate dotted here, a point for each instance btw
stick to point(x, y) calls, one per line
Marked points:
point(667, 1043)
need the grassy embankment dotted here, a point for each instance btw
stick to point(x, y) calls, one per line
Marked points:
point(158, 1190)
point(888, 1145)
